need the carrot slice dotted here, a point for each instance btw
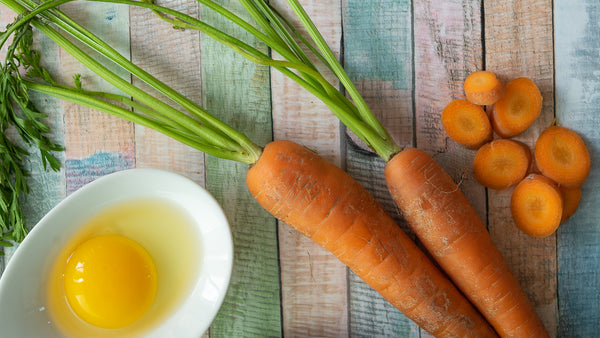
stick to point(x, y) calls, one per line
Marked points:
point(520, 106)
point(483, 88)
point(467, 124)
point(561, 155)
point(537, 206)
point(501, 163)
point(571, 198)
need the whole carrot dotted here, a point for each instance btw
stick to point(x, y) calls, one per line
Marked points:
point(325, 204)
point(455, 236)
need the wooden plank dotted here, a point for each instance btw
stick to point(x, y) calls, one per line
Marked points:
point(96, 143)
point(172, 56)
point(577, 99)
point(448, 47)
point(518, 42)
point(237, 91)
point(314, 292)
point(378, 58)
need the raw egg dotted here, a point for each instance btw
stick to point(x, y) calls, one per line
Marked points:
point(139, 253)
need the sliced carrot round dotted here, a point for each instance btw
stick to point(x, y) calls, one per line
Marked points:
point(501, 163)
point(483, 88)
point(537, 206)
point(571, 198)
point(561, 155)
point(520, 106)
point(467, 124)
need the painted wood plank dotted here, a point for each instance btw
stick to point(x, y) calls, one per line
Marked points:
point(96, 143)
point(447, 42)
point(378, 58)
point(314, 291)
point(577, 86)
point(237, 91)
point(518, 42)
point(172, 56)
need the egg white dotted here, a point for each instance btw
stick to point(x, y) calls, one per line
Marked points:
point(169, 236)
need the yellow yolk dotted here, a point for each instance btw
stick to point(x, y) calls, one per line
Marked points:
point(110, 281)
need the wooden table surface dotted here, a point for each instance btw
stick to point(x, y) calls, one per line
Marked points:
point(408, 59)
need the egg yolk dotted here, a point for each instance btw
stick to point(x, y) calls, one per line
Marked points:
point(110, 281)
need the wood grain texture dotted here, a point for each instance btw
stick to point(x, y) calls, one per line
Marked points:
point(314, 290)
point(577, 45)
point(378, 58)
point(237, 91)
point(96, 143)
point(518, 42)
point(448, 46)
point(172, 56)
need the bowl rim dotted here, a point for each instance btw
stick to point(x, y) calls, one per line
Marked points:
point(139, 183)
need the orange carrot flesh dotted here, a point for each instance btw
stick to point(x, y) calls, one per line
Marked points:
point(467, 124)
point(324, 203)
point(561, 155)
point(520, 106)
point(451, 230)
point(501, 163)
point(571, 198)
point(537, 206)
point(483, 88)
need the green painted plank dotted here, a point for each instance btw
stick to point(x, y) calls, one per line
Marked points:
point(577, 45)
point(237, 91)
point(378, 58)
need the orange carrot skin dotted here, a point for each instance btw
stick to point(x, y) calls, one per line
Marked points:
point(455, 236)
point(324, 203)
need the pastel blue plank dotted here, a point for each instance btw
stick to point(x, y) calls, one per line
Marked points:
point(237, 91)
point(82, 171)
point(577, 38)
point(378, 59)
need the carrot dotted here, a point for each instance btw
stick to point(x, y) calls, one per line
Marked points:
point(483, 88)
point(537, 206)
point(501, 163)
point(571, 198)
point(467, 124)
point(561, 155)
point(455, 236)
point(520, 106)
point(325, 204)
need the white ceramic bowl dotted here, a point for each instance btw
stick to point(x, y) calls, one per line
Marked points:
point(23, 282)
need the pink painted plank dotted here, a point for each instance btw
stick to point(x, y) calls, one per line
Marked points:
point(172, 56)
point(314, 298)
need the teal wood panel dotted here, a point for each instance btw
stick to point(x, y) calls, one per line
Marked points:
point(237, 91)
point(378, 59)
point(577, 45)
